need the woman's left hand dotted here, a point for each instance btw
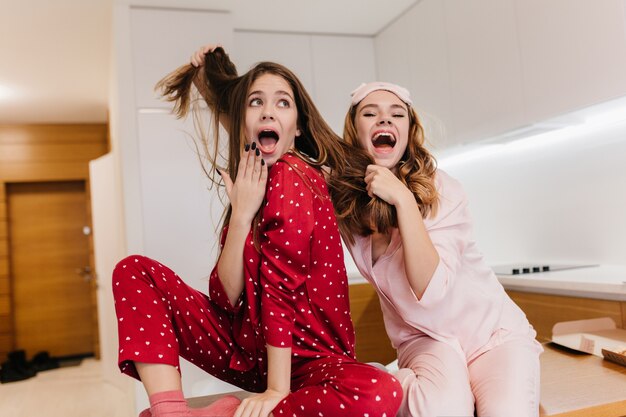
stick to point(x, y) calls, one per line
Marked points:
point(260, 405)
point(197, 59)
point(382, 183)
point(247, 192)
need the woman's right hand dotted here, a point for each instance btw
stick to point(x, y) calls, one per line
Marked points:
point(247, 192)
point(260, 405)
point(197, 59)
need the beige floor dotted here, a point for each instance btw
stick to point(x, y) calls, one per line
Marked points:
point(77, 391)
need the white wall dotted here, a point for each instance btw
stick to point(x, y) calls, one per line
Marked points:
point(560, 200)
point(109, 247)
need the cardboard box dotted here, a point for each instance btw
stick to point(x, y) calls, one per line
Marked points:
point(599, 337)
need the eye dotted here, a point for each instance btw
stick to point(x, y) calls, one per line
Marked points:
point(368, 114)
point(399, 115)
point(284, 103)
point(256, 102)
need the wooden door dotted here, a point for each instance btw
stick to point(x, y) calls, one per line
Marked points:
point(53, 305)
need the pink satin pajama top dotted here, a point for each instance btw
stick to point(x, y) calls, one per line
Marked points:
point(464, 304)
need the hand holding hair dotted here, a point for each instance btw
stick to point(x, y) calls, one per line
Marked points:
point(197, 59)
point(384, 184)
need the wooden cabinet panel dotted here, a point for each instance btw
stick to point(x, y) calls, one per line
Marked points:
point(4, 283)
point(5, 305)
point(35, 135)
point(49, 152)
point(6, 324)
point(50, 171)
point(372, 343)
point(6, 344)
point(544, 311)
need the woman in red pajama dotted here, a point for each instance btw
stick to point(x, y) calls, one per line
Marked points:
point(278, 323)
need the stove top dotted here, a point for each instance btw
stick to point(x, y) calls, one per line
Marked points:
point(533, 268)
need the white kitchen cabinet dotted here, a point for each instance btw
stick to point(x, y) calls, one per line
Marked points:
point(178, 209)
point(289, 49)
point(573, 54)
point(340, 64)
point(329, 67)
point(485, 69)
point(163, 39)
point(413, 53)
point(460, 60)
point(430, 72)
point(393, 46)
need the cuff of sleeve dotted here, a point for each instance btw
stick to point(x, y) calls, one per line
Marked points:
point(218, 296)
point(436, 287)
point(279, 335)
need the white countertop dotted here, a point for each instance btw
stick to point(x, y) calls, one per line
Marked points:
point(605, 282)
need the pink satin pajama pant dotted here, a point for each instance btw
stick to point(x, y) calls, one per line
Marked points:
point(502, 382)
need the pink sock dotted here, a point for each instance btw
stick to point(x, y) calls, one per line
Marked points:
point(173, 404)
point(224, 407)
point(145, 413)
point(167, 404)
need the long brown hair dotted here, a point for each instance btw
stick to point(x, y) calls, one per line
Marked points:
point(360, 214)
point(226, 95)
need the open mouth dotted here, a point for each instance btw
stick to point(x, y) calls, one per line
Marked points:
point(384, 141)
point(268, 139)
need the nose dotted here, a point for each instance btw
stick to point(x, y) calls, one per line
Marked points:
point(384, 121)
point(267, 114)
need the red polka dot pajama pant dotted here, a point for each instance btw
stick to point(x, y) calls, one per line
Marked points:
point(161, 318)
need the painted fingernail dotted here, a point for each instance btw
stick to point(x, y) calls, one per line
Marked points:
point(247, 147)
point(262, 161)
point(218, 171)
point(253, 147)
point(258, 152)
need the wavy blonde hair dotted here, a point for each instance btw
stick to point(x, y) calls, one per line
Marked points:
point(357, 212)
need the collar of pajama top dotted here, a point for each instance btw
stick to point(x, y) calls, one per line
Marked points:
point(464, 304)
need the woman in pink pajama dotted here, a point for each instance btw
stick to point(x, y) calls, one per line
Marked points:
point(277, 318)
point(463, 345)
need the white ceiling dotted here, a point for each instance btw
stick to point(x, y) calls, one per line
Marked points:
point(54, 54)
